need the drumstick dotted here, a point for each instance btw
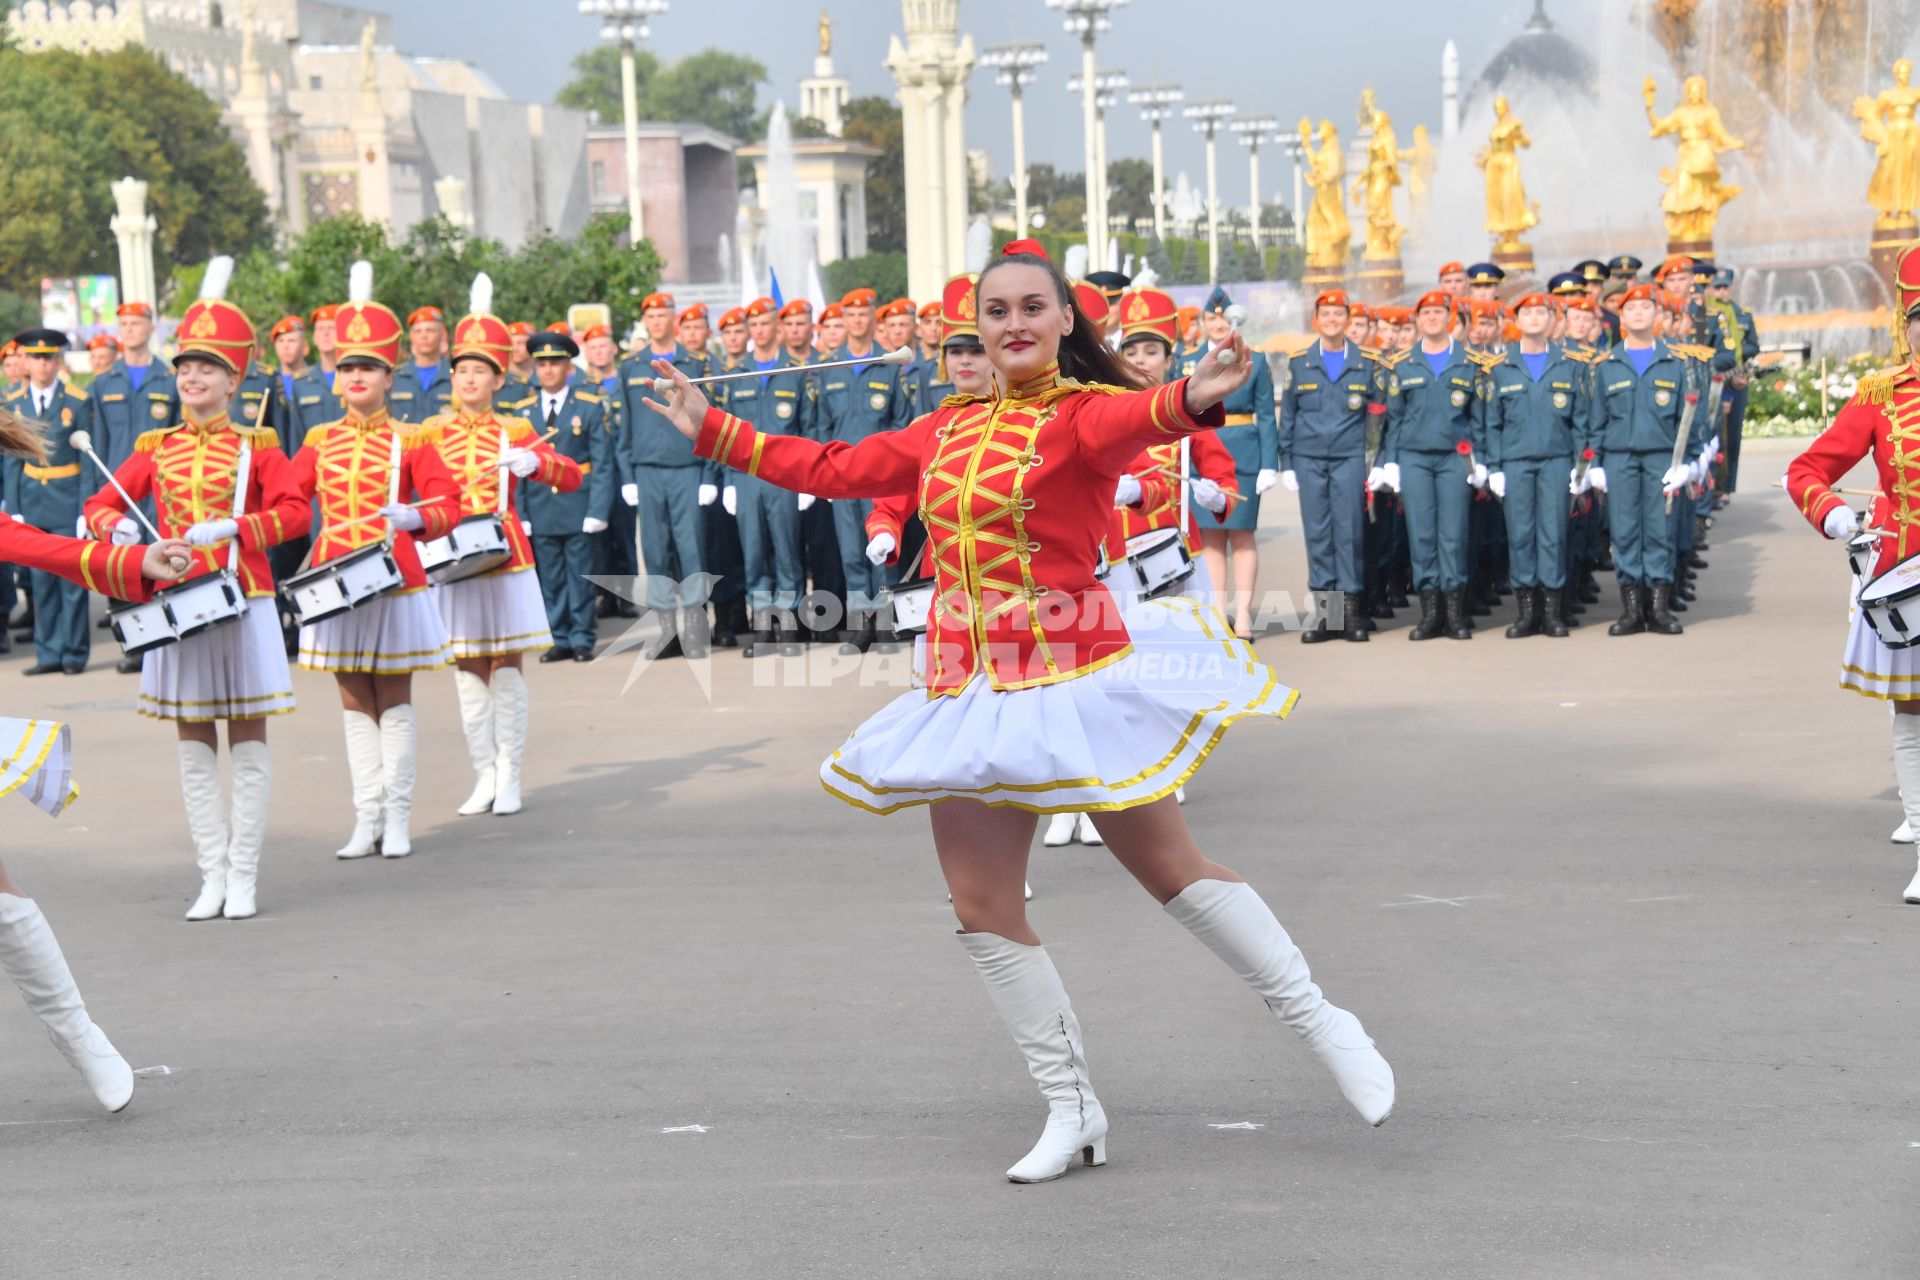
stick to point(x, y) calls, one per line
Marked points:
point(348, 524)
point(83, 441)
point(903, 355)
point(1171, 473)
point(1855, 493)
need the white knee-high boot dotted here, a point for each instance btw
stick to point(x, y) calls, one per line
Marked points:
point(1059, 830)
point(206, 823)
point(509, 737)
point(476, 720)
point(31, 957)
point(399, 741)
point(1027, 991)
point(1906, 769)
point(364, 767)
point(1237, 926)
point(252, 786)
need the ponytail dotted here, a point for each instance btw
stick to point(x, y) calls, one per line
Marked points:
point(21, 438)
point(1085, 354)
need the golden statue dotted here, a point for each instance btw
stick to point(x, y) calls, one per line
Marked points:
point(1507, 211)
point(1328, 232)
point(1376, 184)
point(1694, 190)
point(1420, 166)
point(826, 34)
point(1888, 123)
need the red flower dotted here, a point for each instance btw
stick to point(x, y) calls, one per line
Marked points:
point(1464, 448)
point(1588, 455)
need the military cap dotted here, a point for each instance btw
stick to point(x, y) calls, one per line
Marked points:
point(1723, 278)
point(1528, 300)
point(832, 311)
point(1485, 273)
point(1332, 298)
point(698, 311)
point(1217, 301)
point(734, 316)
point(898, 307)
point(656, 300)
point(41, 342)
point(1566, 283)
point(1451, 269)
point(548, 345)
point(1592, 270)
point(930, 310)
point(1624, 266)
point(521, 328)
point(1111, 283)
point(426, 315)
point(325, 311)
point(1434, 298)
point(596, 331)
point(794, 307)
point(761, 307)
point(1639, 293)
point(860, 297)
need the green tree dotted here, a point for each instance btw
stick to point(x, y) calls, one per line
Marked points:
point(1130, 190)
point(876, 122)
point(72, 124)
point(712, 87)
point(595, 87)
point(884, 273)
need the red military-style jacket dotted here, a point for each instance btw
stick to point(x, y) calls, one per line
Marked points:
point(190, 470)
point(1016, 494)
point(1210, 459)
point(349, 467)
point(1882, 419)
point(469, 448)
point(889, 514)
point(111, 571)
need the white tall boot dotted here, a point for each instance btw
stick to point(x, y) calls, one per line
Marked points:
point(1027, 991)
point(31, 957)
point(1089, 834)
point(207, 824)
point(1906, 770)
point(399, 743)
point(509, 737)
point(1236, 925)
point(1059, 830)
point(476, 720)
point(363, 766)
point(252, 785)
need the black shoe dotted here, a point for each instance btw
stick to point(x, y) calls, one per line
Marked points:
point(1459, 619)
point(1526, 621)
point(1631, 621)
point(1398, 599)
point(693, 631)
point(1359, 625)
point(856, 640)
point(559, 653)
point(1316, 633)
point(6, 641)
point(130, 665)
point(583, 655)
point(1660, 619)
point(788, 638)
point(609, 606)
point(1378, 608)
point(1552, 621)
point(1431, 622)
point(1694, 559)
point(41, 669)
point(724, 636)
point(73, 666)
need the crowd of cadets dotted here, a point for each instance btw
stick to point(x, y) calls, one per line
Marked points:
point(1450, 453)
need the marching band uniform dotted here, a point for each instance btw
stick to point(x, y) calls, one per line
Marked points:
point(238, 670)
point(563, 532)
point(354, 468)
point(48, 496)
point(499, 612)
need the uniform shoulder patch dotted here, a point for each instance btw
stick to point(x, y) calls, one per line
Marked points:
point(958, 400)
point(148, 441)
point(422, 436)
point(260, 437)
point(587, 397)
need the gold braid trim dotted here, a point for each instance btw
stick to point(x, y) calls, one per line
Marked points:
point(957, 401)
point(421, 437)
point(1876, 388)
point(259, 438)
point(149, 441)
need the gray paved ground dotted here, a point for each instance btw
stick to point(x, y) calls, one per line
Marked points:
point(1622, 913)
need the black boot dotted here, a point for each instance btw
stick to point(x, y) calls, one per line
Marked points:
point(724, 636)
point(694, 634)
point(1631, 621)
point(759, 641)
point(1377, 606)
point(1660, 619)
point(1459, 625)
point(1526, 621)
point(1431, 620)
point(1552, 621)
point(1589, 586)
point(1359, 625)
point(786, 633)
point(857, 636)
point(1694, 559)
point(1319, 629)
point(668, 645)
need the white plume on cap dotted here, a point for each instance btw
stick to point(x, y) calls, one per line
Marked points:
point(213, 285)
point(480, 296)
point(360, 281)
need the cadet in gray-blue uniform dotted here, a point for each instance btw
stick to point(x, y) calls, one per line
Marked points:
point(1538, 421)
point(1743, 342)
point(666, 485)
point(423, 386)
point(562, 549)
point(1329, 399)
point(48, 495)
point(1642, 387)
point(126, 401)
point(1433, 407)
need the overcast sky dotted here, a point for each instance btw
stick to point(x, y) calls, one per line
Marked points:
point(1277, 56)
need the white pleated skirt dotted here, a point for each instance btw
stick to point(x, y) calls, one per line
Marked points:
point(1125, 735)
point(495, 614)
point(235, 671)
point(1871, 669)
point(36, 759)
point(387, 636)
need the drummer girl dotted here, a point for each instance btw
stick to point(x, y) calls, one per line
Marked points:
point(34, 760)
point(1039, 691)
point(228, 490)
point(494, 617)
point(363, 469)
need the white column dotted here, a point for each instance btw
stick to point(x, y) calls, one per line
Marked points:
point(1100, 158)
point(1095, 232)
point(630, 108)
point(1213, 214)
point(1159, 188)
point(953, 98)
point(1019, 164)
point(935, 131)
point(1253, 180)
point(133, 227)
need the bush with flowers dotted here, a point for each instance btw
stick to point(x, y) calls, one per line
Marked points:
point(1786, 402)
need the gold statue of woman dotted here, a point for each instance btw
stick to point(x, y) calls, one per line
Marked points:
point(1507, 211)
point(1694, 190)
point(1420, 166)
point(1328, 232)
point(1376, 184)
point(1888, 123)
point(826, 34)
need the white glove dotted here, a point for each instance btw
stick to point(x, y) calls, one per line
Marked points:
point(18, 518)
point(1392, 473)
point(80, 529)
point(398, 514)
point(709, 493)
point(728, 500)
point(1697, 471)
point(1840, 523)
point(521, 462)
point(526, 527)
point(126, 532)
point(1287, 477)
point(1209, 495)
point(1597, 477)
point(879, 548)
point(630, 494)
point(1127, 492)
point(1578, 484)
point(1674, 480)
point(1479, 477)
point(593, 524)
point(1498, 483)
point(806, 500)
point(1377, 479)
point(209, 532)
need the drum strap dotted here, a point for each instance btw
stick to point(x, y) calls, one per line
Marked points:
point(393, 481)
point(505, 479)
point(242, 468)
point(919, 557)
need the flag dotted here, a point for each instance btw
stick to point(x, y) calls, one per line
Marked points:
point(773, 287)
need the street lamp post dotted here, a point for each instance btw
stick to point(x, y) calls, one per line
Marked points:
point(1014, 67)
point(1253, 131)
point(624, 22)
point(1108, 85)
point(1156, 103)
point(1295, 147)
point(1207, 117)
point(1087, 19)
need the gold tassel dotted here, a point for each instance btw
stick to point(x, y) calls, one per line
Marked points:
point(149, 441)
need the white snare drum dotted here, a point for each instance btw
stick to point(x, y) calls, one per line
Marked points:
point(1892, 604)
point(179, 611)
point(1863, 550)
point(911, 603)
point(343, 584)
point(477, 545)
point(1159, 562)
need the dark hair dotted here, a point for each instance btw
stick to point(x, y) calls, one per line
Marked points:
point(1085, 355)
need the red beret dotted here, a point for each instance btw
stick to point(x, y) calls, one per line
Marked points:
point(1332, 298)
point(1530, 300)
point(596, 331)
point(286, 324)
point(426, 315)
point(730, 318)
point(796, 307)
point(521, 328)
point(859, 298)
point(1639, 293)
point(1434, 298)
point(698, 311)
point(1031, 247)
point(760, 307)
point(144, 309)
point(1453, 269)
point(326, 311)
point(656, 300)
